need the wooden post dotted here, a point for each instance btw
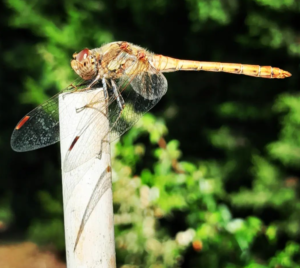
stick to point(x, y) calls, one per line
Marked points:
point(87, 192)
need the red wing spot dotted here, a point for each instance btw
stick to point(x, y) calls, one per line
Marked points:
point(22, 122)
point(73, 143)
point(82, 55)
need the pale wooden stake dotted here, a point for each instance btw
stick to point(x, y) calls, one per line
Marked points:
point(81, 186)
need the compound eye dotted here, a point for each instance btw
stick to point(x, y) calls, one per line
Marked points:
point(82, 55)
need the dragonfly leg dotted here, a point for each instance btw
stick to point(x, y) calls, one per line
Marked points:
point(99, 156)
point(71, 86)
point(118, 96)
point(104, 84)
point(121, 105)
point(88, 87)
point(91, 104)
point(106, 95)
point(93, 82)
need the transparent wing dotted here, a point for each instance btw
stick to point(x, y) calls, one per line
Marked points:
point(84, 146)
point(90, 134)
point(143, 93)
point(40, 127)
point(151, 85)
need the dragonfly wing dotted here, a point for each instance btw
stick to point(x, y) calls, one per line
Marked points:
point(85, 144)
point(40, 127)
point(142, 94)
point(151, 85)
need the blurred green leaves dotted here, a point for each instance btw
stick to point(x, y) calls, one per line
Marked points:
point(214, 10)
point(278, 4)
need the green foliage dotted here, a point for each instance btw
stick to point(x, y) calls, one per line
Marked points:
point(216, 10)
point(157, 194)
point(214, 184)
point(285, 258)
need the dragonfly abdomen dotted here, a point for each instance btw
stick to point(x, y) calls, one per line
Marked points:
point(168, 64)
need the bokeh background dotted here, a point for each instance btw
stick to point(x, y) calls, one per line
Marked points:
point(209, 179)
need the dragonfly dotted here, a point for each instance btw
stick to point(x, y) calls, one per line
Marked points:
point(133, 83)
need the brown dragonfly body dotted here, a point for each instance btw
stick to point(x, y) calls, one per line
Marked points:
point(118, 58)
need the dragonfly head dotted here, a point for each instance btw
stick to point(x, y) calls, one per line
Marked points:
point(84, 64)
